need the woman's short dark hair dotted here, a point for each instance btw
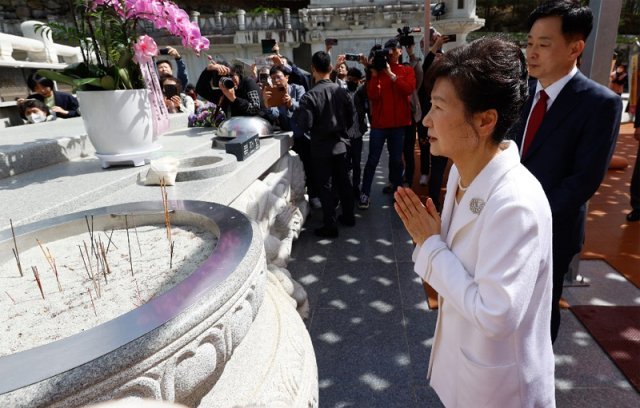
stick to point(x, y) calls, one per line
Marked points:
point(32, 103)
point(577, 20)
point(35, 79)
point(489, 73)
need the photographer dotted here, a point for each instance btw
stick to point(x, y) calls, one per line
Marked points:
point(174, 99)
point(389, 89)
point(164, 66)
point(282, 99)
point(228, 88)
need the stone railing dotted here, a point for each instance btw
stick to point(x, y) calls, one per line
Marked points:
point(37, 49)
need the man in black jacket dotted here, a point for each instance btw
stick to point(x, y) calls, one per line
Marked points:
point(240, 98)
point(326, 112)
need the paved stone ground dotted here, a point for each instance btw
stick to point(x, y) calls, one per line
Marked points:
point(372, 330)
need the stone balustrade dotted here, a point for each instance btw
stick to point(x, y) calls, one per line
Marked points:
point(41, 51)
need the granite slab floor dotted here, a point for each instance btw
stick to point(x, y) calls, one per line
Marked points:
point(372, 330)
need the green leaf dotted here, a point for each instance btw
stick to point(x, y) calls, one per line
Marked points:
point(58, 77)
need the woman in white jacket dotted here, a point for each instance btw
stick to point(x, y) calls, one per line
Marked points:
point(489, 257)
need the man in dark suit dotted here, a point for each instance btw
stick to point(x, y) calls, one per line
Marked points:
point(567, 129)
point(326, 112)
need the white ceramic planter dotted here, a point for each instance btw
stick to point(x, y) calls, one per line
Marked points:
point(119, 125)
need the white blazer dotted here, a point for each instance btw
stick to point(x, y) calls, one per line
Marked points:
point(491, 266)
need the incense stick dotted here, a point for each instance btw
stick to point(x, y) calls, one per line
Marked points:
point(126, 223)
point(55, 270)
point(135, 228)
point(171, 255)
point(16, 254)
point(165, 205)
point(12, 299)
point(110, 241)
point(92, 304)
point(88, 259)
point(83, 261)
point(37, 276)
point(104, 256)
point(86, 219)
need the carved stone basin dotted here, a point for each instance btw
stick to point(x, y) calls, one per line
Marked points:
point(175, 346)
point(200, 167)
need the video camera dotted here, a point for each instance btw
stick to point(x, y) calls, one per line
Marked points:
point(404, 35)
point(380, 59)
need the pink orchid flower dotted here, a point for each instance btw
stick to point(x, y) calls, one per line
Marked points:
point(145, 49)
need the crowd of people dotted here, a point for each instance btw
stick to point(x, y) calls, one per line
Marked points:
point(529, 138)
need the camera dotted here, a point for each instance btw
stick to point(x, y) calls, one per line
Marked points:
point(263, 78)
point(217, 81)
point(352, 57)
point(170, 90)
point(404, 35)
point(331, 41)
point(164, 51)
point(451, 37)
point(380, 59)
point(227, 82)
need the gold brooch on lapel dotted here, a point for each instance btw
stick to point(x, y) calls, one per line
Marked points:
point(476, 205)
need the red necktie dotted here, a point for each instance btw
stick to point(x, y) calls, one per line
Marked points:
point(535, 120)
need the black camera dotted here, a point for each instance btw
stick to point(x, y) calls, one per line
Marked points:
point(380, 59)
point(404, 35)
point(217, 81)
point(164, 51)
point(170, 90)
point(263, 77)
point(227, 82)
point(352, 57)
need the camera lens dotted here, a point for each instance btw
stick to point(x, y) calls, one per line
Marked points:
point(227, 82)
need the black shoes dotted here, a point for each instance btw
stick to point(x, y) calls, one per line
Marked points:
point(348, 221)
point(326, 232)
point(633, 216)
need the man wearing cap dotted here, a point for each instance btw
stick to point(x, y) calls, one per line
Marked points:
point(389, 91)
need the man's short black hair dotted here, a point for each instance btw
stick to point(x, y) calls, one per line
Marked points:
point(279, 68)
point(355, 73)
point(162, 61)
point(321, 62)
point(577, 20)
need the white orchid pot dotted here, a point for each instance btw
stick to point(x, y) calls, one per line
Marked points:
point(119, 125)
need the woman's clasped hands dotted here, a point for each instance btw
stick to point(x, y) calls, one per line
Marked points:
point(421, 221)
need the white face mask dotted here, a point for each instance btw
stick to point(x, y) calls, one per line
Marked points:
point(36, 118)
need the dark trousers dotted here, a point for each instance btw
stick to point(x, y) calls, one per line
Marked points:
point(302, 146)
point(331, 174)
point(395, 140)
point(354, 157)
point(635, 182)
point(561, 261)
point(438, 167)
point(408, 147)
